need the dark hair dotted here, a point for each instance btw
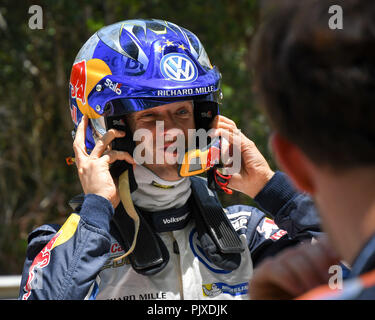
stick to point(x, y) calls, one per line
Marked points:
point(317, 85)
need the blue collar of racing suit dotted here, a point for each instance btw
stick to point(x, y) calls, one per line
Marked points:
point(365, 260)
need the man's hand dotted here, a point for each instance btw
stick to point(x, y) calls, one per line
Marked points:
point(255, 171)
point(293, 271)
point(93, 169)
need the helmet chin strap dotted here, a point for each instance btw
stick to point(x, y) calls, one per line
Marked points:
point(127, 202)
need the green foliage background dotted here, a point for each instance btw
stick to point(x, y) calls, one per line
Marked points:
point(35, 138)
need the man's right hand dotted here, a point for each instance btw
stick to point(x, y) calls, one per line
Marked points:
point(93, 169)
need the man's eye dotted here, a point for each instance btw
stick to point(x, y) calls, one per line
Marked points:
point(182, 111)
point(147, 115)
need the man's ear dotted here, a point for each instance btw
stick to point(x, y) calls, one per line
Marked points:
point(294, 163)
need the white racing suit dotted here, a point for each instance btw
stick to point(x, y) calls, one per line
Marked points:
point(76, 260)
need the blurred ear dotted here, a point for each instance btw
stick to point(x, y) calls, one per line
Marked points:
point(294, 163)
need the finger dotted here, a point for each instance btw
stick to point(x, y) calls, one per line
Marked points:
point(226, 148)
point(102, 144)
point(226, 120)
point(215, 122)
point(224, 125)
point(114, 155)
point(234, 137)
point(221, 120)
point(79, 145)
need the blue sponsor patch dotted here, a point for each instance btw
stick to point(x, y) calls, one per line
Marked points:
point(214, 289)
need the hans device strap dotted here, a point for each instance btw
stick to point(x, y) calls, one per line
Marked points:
point(127, 203)
point(150, 255)
point(214, 217)
point(124, 172)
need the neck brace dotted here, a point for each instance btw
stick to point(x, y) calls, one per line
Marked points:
point(156, 194)
point(218, 239)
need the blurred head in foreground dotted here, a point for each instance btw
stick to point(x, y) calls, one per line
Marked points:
point(315, 79)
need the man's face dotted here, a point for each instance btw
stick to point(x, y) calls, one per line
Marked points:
point(169, 126)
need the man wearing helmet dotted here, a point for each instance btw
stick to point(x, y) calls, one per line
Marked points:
point(153, 230)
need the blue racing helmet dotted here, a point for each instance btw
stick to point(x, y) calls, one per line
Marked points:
point(138, 64)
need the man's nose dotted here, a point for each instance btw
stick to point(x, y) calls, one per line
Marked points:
point(171, 127)
point(169, 122)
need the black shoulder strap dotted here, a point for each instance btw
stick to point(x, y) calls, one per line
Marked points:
point(150, 255)
point(218, 225)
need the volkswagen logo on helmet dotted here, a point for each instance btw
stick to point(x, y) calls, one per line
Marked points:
point(178, 67)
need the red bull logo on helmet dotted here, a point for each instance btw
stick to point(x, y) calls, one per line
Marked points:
point(78, 81)
point(85, 76)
